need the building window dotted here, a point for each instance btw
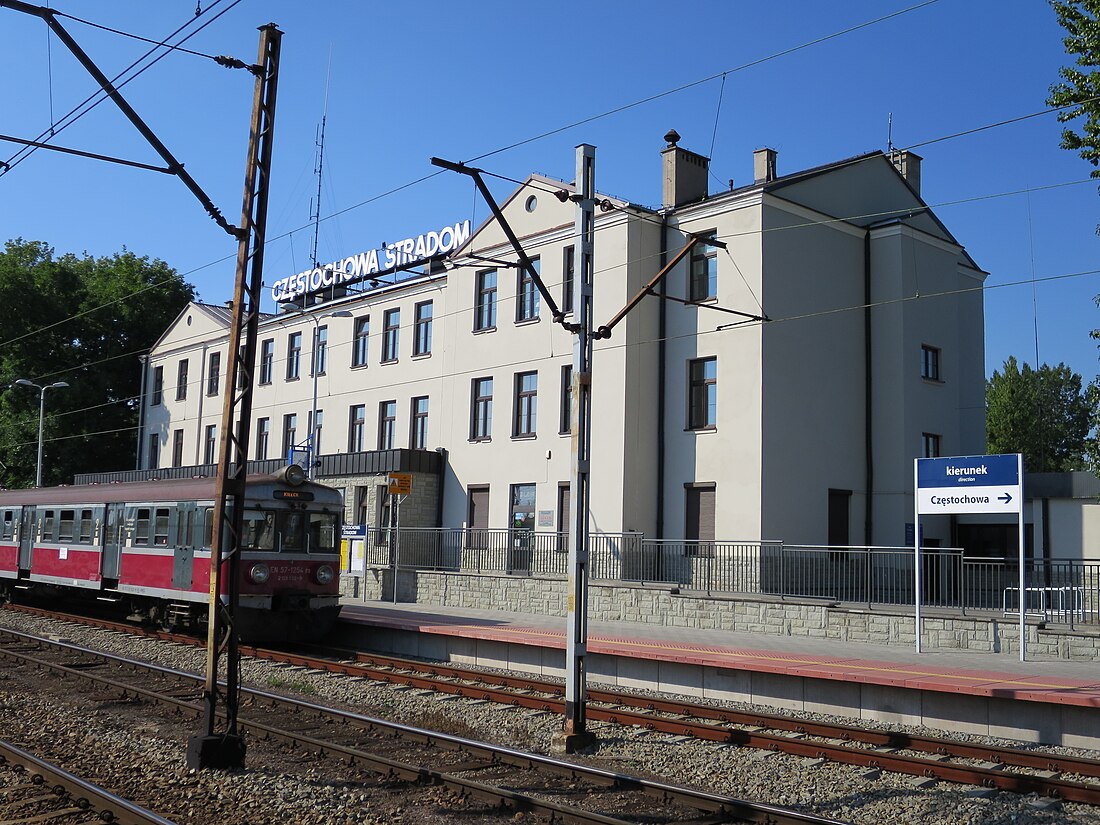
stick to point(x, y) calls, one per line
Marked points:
point(699, 513)
point(930, 363)
point(359, 341)
point(317, 420)
point(391, 326)
point(930, 445)
point(158, 386)
point(525, 405)
point(154, 451)
point(418, 430)
point(357, 419)
point(704, 271)
point(527, 294)
point(181, 381)
point(485, 301)
point(210, 451)
point(267, 360)
point(263, 436)
point(214, 373)
point(477, 517)
point(565, 414)
point(177, 448)
point(422, 332)
point(320, 351)
point(564, 525)
point(481, 410)
point(293, 356)
point(290, 433)
point(568, 257)
point(522, 513)
point(703, 394)
point(387, 424)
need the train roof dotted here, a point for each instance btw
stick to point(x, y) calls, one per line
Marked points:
point(186, 489)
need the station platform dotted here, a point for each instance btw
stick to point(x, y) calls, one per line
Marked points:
point(1054, 702)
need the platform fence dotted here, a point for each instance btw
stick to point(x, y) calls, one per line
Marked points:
point(1057, 590)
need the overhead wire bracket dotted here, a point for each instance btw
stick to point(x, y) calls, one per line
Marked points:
point(524, 261)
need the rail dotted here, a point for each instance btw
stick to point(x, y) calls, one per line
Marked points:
point(1057, 589)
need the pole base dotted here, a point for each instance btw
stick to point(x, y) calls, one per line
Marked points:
point(572, 742)
point(215, 752)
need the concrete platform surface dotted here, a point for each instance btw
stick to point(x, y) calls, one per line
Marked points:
point(1003, 676)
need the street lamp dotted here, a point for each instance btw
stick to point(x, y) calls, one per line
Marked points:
point(315, 369)
point(57, 385)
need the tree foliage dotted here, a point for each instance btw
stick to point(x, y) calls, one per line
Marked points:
point(1079, 88)
point(1043, 413)
point(84, 321)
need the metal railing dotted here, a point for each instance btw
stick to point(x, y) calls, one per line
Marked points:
point(1058, 590)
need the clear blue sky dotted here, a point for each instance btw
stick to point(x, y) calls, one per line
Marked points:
point(406, 81)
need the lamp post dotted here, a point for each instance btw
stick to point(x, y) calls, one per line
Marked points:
point(57, 385)
point(315, 369)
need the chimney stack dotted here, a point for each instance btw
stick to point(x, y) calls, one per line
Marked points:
point(908, 164)
point(763, 165)
point(685, 174)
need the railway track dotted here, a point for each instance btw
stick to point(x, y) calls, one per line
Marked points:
point(33, 790)
point(1019, 770)
point(559, 790)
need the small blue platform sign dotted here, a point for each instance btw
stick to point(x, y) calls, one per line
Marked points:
point(969, 484)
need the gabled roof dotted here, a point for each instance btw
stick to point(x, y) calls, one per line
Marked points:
point(217, 317)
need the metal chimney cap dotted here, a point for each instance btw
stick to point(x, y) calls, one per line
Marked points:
point(672, 137)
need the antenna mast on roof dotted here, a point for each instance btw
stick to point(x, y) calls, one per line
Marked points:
point(315, 212)
point(890, 133)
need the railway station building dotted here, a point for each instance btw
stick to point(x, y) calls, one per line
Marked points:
point(854, 345)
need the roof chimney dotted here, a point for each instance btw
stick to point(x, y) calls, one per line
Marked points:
point(908, 164)
point(685, 174)
point(763, 165)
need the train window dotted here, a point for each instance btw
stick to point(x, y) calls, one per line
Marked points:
point(259, 530)
point(85, 527)
point(65, 525)
point(322, 533)
point(160, 527)
point(292, 537)
point(208, 527)
point(7, 527)
point(141, 531)
point(47, 525)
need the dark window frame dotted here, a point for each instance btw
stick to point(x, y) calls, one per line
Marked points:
point(318, 362)
point(701, 391)
point(182, 369)
point(422, 329)
point(263, 437)
point(294, 356)
point(703, 270)
point(360, 341)
point(527, 294)
point(568, 265)
point(525, 405)
point(214, 373)
point(357, 428)
point(931, 445)
point(210, 444)
point(387, 424)
point(290, 433)
point(930, 363)
point(418, 424)
point(267, 360)
point(481, 409)
point(391, 335)
point(177, 448)
point(158, 387)
point(565, 404)
point(485, 301)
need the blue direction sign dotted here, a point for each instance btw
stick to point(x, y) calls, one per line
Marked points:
point(969, 484)
point(353, 531)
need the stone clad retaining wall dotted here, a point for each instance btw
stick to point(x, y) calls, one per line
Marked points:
point(990, 633)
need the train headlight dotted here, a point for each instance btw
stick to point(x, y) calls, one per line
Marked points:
point(324, 574)
point(259, 573)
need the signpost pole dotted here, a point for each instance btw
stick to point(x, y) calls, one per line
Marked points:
point(916, 552)
point(1023, 574)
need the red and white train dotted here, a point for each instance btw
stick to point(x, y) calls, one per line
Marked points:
point(147, 545)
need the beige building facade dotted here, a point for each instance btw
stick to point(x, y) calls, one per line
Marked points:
point(707, 422)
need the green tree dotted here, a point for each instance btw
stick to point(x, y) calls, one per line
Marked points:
point(84, 321)
point(1043, 413)
point(1079, 88)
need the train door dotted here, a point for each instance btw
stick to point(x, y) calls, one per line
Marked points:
point(183, 556)
point(27, 531)
point(112, 542)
